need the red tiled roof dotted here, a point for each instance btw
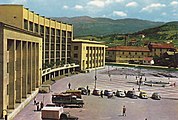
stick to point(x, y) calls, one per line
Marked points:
point(162, 45)
point(129, 48)
point(148, 58)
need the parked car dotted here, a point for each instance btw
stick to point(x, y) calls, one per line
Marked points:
point(108, 93)
point(120, 93)
point(143, 95)
point(156, 96)
point(131, 94)
point(96, 92)
point(83, 90)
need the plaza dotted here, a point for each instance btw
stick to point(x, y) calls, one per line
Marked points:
point(97, 108)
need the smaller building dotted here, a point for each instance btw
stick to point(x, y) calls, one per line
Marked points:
point(127, 54)
point(88, 54)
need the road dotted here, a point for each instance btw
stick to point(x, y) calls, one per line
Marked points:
point(97, 108)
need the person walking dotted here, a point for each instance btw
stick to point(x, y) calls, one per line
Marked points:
point(34, 101)
point(41, 105)
point(101, 94)
point(69, 85)
point(124, 111)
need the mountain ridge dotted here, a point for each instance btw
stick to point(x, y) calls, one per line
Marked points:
point(99, 26)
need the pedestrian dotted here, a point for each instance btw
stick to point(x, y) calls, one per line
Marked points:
point(34, 101)
point(133, 89)
point(124, 111)
point(136, 77)
point(87, 87)
point(101, 94)
point(88, 92)
point(41, 105)
point(69, 85)
point(145, 79)
point(37, 106)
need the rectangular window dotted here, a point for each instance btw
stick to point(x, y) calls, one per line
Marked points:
point(25, 24)
point(75, 47)
point(31, 26)
point(41, 29)
point(7, 67)
point(36, 28)
point(75, 55)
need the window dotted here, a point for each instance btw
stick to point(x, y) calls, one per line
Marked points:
point(25, 24)
point(75, 55)
point(75, 47)
point(36, 28)
point(31, 26)
point(7, 67)
point(41, 29)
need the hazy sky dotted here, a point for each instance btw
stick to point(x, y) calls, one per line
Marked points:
point(155, 10)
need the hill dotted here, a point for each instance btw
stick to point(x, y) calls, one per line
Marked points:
point(85, 25)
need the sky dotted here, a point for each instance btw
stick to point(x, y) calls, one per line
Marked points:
point(154, 10)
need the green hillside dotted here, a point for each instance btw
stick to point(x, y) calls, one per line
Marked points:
point(164, 33)
point(84, 26)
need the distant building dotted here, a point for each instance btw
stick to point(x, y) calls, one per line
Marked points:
point(20, 65)
point(127, 54)
point(89, 54)
point(157, 49)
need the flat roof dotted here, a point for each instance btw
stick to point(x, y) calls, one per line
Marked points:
point(86, 41)
point(19, 29)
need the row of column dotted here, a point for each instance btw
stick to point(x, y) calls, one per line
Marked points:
point(98, 59)
point(23, 69)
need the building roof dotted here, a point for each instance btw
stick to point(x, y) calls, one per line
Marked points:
point(161, 45)
point(86, 41)
point(129, 48)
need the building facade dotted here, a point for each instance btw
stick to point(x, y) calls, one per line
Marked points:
point(125, 54)
point(57, 36)
point(20, 65)
point(88, 54)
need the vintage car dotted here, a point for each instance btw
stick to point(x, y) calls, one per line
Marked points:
point(83, 90)
point(131, 94)
point(156, 96)
point(96, 92)
point(143, 95)
point(67, 99)
point(120, 93)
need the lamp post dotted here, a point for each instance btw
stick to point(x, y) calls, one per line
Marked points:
point(95, 75)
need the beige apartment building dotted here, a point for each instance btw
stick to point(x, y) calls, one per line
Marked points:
point(20, 66)
point(56, 35)
point(88, 54)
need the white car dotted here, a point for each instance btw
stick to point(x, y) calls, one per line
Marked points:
point(120, 93)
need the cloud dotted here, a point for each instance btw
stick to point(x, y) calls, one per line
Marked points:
point(96, 3)
point(153, 6)
point(18, 1)
point(164, 13)
point(78, 7)
point(132, 4)
point(119, 1)
point(174, 3)
point(65, 7)
point(120, 13)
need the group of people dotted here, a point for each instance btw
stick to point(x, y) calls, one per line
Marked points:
point(39, 106)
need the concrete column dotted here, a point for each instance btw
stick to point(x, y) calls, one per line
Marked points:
point(38, 71)
point(19, 71)
point(29, 67)
point(1, 74)
point(11, 90)
point(25, 69)
point(33, 66)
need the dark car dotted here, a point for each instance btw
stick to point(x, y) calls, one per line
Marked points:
point(131, 94)
point(83, 90)
point(108, 93)
point(156, 96)
point(96, 92)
